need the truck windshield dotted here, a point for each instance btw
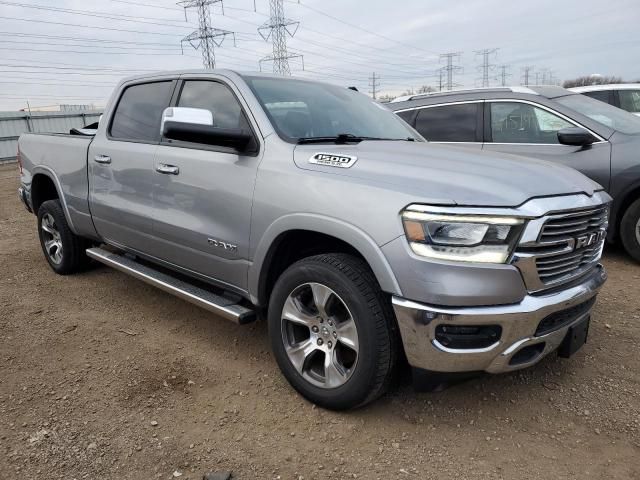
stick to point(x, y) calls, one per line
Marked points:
point(603, 113)
point(302, 111)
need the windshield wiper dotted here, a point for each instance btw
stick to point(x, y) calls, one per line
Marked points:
point(346, 138)
point(340, 138)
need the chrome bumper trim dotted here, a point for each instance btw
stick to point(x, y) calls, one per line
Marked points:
point(418, 322)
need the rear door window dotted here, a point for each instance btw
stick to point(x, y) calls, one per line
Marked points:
point(629, 100)
point(449, 123)
point(515, 122)
point(139, 112)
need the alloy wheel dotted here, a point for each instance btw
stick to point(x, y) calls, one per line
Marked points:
point(320, 335)
point(51, 238)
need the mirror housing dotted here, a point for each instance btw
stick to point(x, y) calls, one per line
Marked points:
point(196, 125)
point(576, 136)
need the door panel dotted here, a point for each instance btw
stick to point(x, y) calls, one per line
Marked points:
point(202, 214)
point(521, 128)
point(121, 166)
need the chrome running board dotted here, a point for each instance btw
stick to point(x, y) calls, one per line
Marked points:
point(226, 306)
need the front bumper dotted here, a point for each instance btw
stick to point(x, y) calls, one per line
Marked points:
point(519, 322)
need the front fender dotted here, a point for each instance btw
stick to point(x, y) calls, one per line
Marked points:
point(334, 227)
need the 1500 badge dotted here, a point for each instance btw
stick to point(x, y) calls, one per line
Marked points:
point(332, 160)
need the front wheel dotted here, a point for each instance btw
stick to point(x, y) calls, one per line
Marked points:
point(630, 230)
point(332, 331)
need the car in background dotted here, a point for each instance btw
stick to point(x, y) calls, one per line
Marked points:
point(545, 122)
point(624, 95)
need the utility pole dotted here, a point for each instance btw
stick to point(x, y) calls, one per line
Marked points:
point(277, 28)
point(526, 74)
point(450, 68)
point(374, 83)
point(504, 74)
point(206, 38)
point(485, 67)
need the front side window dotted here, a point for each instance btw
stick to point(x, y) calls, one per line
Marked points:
point(301, 109)
point(515, 122)
point(629, 100)
point(449, 123)
point(218, 99)
point(139, 112)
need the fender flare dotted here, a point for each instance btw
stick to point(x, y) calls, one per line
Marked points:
point(48, 172)
point(334, 227)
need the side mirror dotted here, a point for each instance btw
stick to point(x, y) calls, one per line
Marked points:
point(196, 125)
point(575, 136)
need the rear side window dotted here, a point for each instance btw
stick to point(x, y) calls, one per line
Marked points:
point(218, 99)
point(449, 123)
point(139, 112)
point(407, 116)
point(602, 95)
point(629, 100)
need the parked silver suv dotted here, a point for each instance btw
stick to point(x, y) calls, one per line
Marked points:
point(549, 123)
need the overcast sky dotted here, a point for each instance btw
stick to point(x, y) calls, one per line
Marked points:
point(50, 57)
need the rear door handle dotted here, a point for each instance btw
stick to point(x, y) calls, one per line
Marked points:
point(104, 159)
point(167, 169)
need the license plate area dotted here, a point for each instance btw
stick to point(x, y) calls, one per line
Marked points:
point(576, 337)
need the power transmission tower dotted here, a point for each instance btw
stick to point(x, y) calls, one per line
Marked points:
point(450, 68)
point(526, 74)
point(440, 79)
point(486, 67)
point(504, 74)
point(206, 38)
point(374, 83)
point(277, 28)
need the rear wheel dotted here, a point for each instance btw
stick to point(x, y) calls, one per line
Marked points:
point(630, 230)
point(332, 331)
point(64, 250)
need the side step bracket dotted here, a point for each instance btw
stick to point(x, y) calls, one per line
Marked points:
point(228, 308)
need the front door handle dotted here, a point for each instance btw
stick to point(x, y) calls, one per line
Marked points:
point(167, 169)
point(104, 159)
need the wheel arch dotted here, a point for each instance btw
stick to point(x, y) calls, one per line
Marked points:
point(280, 246)
point(45, 185)
point(620, 205)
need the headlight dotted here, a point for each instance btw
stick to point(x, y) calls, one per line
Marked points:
point(462, 238)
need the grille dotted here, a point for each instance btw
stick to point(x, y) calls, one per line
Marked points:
point(574, 224)
point(566, 230)
point(559, 319)
point(568, 245)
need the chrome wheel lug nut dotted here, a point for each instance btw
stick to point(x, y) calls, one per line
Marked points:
point(329, 344)
point(314, 329)
point(320, 342)
point(335, 334)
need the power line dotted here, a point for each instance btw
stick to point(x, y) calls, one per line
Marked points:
point(278, 27)
point(450, 68)
point(97, 14)
point(485, 67)
point(374, 84)
point(206, 38)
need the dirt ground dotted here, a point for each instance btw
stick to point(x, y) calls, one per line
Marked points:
point(104, 377)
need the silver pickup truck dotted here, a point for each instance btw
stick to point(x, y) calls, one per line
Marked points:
point(362, 244)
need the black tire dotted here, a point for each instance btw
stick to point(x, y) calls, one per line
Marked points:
point(630, 230)
point(351, 279)
point(73, 256)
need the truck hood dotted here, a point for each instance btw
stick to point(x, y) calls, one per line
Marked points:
point(450, 175)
